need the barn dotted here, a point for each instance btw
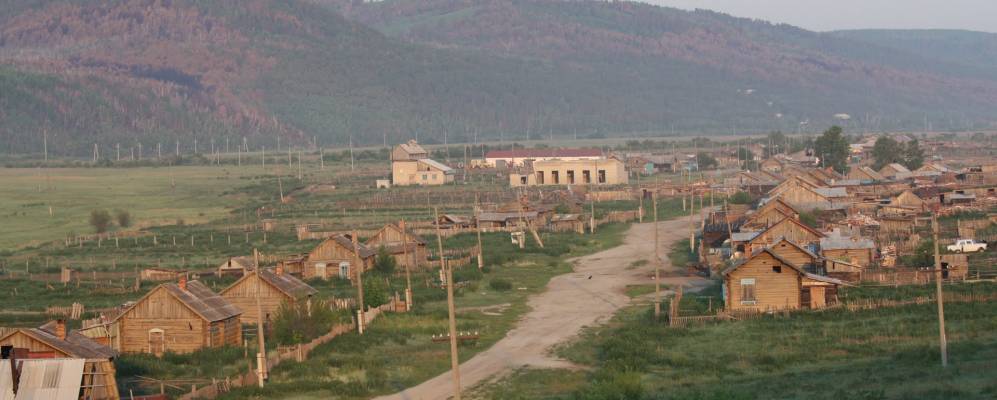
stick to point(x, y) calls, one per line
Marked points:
point(178, 317)
point(272, 287)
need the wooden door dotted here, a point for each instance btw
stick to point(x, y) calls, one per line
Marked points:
point(818, 298)
point(805, 297)
point(157, 342)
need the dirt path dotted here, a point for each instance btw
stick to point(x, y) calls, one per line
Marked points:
point(586, 297)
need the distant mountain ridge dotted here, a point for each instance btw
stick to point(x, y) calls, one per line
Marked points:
point(325, 71)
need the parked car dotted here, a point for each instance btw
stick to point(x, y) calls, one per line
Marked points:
point(967, 246)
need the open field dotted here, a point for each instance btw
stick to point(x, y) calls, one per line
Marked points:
point(887, 353)
point(27, 194)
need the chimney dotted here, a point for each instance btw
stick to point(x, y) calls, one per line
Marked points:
point(183, 283)
point(60, 329)
point(279, 270)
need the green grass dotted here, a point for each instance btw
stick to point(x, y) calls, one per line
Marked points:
point(27, 194)
point(397, 350)
point(880, 354)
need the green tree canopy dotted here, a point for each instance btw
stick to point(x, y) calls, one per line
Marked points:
point(886, 151)
point(385, 262)
point(705, 161)
point(913, 155)
point(100, 220)
point(832, 148)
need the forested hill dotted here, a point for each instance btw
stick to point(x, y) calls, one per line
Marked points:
point(158, 71)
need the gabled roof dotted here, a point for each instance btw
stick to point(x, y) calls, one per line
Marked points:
point(791, 243)
point(831, 192)
point(347, 243)
point(896, 167)
point(75, 345)
point(743, 236)
point(543, 153)
point(871, 173)
point(198, 298)
point(410, 237)
point(793, 221)
point(505, 216)
point(285, 283)
point(779, 258)
point(565, 217)
point(412, 147)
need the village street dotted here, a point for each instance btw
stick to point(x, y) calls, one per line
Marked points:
point(586, 297)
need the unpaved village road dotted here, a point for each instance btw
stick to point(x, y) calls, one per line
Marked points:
point(572, 301)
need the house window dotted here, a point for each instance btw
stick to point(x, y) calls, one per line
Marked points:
point(344, 270)
point(571, 177)
point(540, 177)
point(602, 176)
point(424, 177)
point(748, 291)
point(555, 178)
point(522, 180)
point(587, 176)
point(777, 269)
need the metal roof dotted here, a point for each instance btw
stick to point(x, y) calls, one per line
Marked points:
point(75, 345)
point(286, 283)
point(438, 165)
point(44, 379)
point(203, 301)
point(831, 192)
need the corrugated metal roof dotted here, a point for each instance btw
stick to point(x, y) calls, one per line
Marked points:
point(846, 243)
point(48, 379)
point(346, 242)
point(831, 192)
point(203, 301)
point(744, 236)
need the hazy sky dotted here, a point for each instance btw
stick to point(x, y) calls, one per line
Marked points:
point(824, 15)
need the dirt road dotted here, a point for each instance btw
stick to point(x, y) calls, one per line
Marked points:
point(585, 297)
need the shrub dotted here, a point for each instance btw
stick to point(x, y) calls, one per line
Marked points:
point(500, 284)
point(384, 263)
point(100, 220)
point(124, 218)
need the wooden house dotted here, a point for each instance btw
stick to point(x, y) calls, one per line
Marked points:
point(895, 171)
point(236, 266)
point(54, 340)
point(408, 249)
point(506, 219)
point(567, 223)
point(852, 249)
point(447, 221)
point(803, 193)
point(789, 229)
point(908, 199)
point(770, 213)
point(768, 282)
point(865, 174)
point(798, 255)
point(177, 317)
point(272, 287)
point(336, 257)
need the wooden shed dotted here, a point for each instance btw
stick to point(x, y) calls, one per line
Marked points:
point(567, 223)
point(408, 249)
point(769, 282)
point(335, 257)
point(271, 287)
point(178, 317)
point(852, 249)
point(908, 199)
point(770, 213)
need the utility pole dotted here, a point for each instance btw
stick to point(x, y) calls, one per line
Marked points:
point(261, 354)
point(361, 320)
point(477, 228)
point(942, 341)
point(408, 274)
point(657, 259)
point(45, 143)
point(352, 166)
point(451, 311)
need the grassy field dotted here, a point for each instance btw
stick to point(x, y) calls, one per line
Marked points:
point(880, 354)
point(397, 351)
point(27, 194)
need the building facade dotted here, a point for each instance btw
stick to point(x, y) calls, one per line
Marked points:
point(606, 171)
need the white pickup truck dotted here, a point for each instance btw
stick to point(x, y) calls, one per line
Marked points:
point(967, 246)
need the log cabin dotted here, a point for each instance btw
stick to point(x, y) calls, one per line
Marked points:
point(408, 250)
point(336, 257)
point(773, 211)
point(768, 282)
point(853, 249)
point(272, 287)
point(54, 340)
point(908, 199)
point(178, 317)
point(789, 229)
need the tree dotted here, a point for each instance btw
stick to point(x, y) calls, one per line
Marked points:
point(913, 155)
point(375, 291)
point(832, 148)
point(100, 220)
point(385, 262)
point(886, 151)
point(294, 324)
point(124, 218)
point(705, 161)
point(740, 198)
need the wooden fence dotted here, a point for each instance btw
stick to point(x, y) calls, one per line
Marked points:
point(298, 352)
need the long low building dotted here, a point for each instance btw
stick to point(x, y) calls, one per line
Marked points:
point(605, 171)
point(520, 157)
